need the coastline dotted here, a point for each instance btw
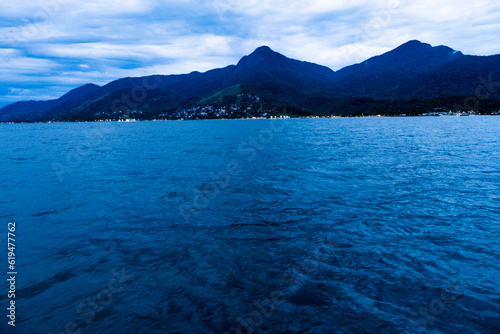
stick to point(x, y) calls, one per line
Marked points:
point(249, 118)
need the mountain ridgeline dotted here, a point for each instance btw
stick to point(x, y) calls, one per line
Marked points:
point(411, 79)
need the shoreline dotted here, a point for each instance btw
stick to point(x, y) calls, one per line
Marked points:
point(248, 119)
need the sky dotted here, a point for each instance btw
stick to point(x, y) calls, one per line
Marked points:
point(48, 47)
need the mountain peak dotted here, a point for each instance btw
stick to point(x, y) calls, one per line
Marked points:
point(413, 45)
point(415, 51)
point(263, 50)
point(261, 55)
point(414, 42)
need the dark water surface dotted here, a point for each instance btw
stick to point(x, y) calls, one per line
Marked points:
point(362, 225)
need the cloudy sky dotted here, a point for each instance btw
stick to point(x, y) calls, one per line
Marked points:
point(48, 47)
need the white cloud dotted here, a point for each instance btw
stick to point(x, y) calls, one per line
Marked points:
point(13, 64)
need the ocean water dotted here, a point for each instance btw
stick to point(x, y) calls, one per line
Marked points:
point(361, 225)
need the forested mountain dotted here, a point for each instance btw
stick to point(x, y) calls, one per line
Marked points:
point(414, 75)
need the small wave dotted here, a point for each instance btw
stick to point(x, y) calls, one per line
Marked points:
point(45, 213)
point(38, 288)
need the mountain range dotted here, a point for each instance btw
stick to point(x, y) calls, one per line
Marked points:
point(413, 78)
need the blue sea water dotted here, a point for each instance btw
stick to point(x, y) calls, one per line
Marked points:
point(361, 225)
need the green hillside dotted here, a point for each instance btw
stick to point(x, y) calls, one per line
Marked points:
point(218, 97)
